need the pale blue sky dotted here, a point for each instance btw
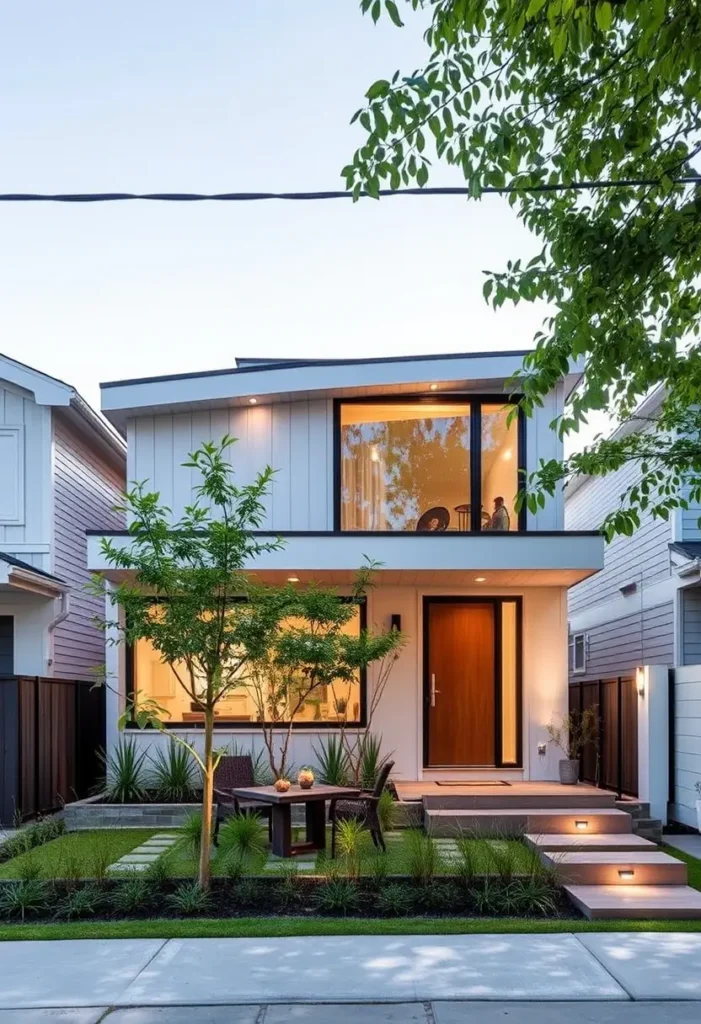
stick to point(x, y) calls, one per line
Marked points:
point(223, 95)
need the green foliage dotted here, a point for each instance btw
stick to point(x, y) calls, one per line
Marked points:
point(395, 900)
point(22, 899)
point(338, 895)
point(387, 810)
point(243, 835)
point(190, 834)
point(467, 863)
point(101, 857)
point(575, 731)
point(31, 837)
point(174, 774)
point(189, 898)
point(332, 761)
point(132, 895)
point(85, 901)
point(525, 95)
point(378, 867)
point(159, 871)
point(372, 760)
point(352, 841)
point(124, 779)
point(504, 857)
point(423, 857)
point(289, 890)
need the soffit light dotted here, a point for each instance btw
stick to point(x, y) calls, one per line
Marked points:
point(433, 387)
point(252, 401)
point(480, 579)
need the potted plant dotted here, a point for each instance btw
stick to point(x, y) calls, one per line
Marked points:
point(698, 806)
point(572, 735)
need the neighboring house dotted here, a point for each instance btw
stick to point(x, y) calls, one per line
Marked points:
point(412, 462)
point(644, 608)
point(62, 469)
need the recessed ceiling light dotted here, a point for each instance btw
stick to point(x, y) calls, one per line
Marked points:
point(253, 401)
point(433, 387)
point(480, 579)
point(293, 579)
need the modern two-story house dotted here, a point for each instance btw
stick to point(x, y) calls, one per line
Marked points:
point(412, 462)
point(62, 470)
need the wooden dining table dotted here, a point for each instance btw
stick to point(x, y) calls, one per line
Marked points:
point(314, 800)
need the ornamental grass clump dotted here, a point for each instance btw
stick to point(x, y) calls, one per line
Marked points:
point(174, 777)
point(124, 773)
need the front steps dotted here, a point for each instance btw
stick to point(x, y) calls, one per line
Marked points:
point(599, 847)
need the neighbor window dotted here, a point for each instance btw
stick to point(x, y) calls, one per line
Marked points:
point(578, 652)
point(327, 705)
point(427, 465)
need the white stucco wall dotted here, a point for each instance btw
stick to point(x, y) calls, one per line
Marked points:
point(400, 716)
point(32, 615)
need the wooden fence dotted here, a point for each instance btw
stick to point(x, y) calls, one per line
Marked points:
point(50, 731)
point(611, 762)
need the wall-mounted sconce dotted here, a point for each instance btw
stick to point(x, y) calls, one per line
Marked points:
point(542, 749)
point(396, 622)
point(640, 681)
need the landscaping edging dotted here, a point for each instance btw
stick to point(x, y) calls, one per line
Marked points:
point(94, 813)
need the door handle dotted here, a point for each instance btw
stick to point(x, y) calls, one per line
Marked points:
point(434, 691)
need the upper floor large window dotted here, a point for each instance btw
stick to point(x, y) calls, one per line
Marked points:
point(428, 465)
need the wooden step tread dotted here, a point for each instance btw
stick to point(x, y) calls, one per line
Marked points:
point(524, 812)
point(618, 857)
point(565, 842)
point(641, 902)
point(616, 867)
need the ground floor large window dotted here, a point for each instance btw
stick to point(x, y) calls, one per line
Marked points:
point(472, 682)
point(149, 678)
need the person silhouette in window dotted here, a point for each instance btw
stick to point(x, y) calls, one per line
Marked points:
point(500, 517)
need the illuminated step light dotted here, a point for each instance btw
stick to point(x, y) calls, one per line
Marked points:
point(293, 579)
point(626, 873)
point(581, 824)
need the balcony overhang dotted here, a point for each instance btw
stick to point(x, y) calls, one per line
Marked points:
point(406, 559)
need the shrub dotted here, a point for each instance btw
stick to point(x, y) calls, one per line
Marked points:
point(395, 900)
point(333, 767)
point(338, 896)
point(32, 836)
point(242, 834)
point(467, 862)
point(190, 834)
point(387, 810)
point(132, 895)
point(351, 839)
point(124, 780)
point(189, 898)
point(372, 760)
point(24, 898)
point(83, 902)
point(174, 775)
point(503, 857)
point(378, 868)
point(423, 856)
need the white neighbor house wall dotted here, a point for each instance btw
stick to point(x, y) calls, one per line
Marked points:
point(296, 439)
point(400, 716)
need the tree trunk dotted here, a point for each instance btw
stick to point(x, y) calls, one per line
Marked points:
point(207, 795)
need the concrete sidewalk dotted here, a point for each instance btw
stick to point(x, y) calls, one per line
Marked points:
point(331, 969)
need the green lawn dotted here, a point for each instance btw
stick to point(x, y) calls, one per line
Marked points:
point(77, 854)
point(281, 926)
point(693, 865)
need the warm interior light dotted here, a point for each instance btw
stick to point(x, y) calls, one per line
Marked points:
point(253, 401)
point(640, 681)
point(507, 454)
point(581, 824)
point(480, 579)
point(627, 873)
point(434, 387)
point(293, 579)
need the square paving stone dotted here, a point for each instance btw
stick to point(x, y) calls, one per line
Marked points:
point(348, 1013)
point(137, 858)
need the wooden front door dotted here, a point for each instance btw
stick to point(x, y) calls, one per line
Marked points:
point(460, 684)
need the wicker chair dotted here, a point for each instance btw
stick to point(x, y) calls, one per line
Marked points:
point(236, 772)
point(363, 809)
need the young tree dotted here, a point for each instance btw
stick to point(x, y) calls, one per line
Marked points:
point(536, 97)
point(184, 597)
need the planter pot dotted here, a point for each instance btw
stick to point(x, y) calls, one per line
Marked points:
point(698, 815)
point(569, 772)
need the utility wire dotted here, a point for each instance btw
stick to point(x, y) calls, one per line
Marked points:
point(249, 197)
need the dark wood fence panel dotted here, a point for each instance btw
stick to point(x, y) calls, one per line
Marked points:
point(612, 761)
point(52, 729)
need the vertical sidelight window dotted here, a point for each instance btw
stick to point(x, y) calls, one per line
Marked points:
point(509, 684)
point(427, 465)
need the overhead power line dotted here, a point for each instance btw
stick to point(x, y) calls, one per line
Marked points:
point(251, 197)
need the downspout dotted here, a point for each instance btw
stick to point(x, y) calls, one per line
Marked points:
point(58, 619)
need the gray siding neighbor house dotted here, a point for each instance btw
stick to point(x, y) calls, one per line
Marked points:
point(644, 608)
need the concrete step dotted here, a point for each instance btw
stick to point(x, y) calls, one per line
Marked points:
point(515, 821)
point(635, 808)
point(617, 868)
point(638, 902)
point(583, 842)
point(648, 828)
point(498, 799)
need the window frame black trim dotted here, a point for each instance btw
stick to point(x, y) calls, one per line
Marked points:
point(474, 403)
point(254, 726)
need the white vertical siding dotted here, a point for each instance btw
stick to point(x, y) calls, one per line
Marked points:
point(543, 444)
point(86, 489)
point(32, 530)
point(294, 438)
point(691, 626)
point(687, 743)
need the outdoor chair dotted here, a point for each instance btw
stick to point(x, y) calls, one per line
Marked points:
point(236, 772)
point(362, 809)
